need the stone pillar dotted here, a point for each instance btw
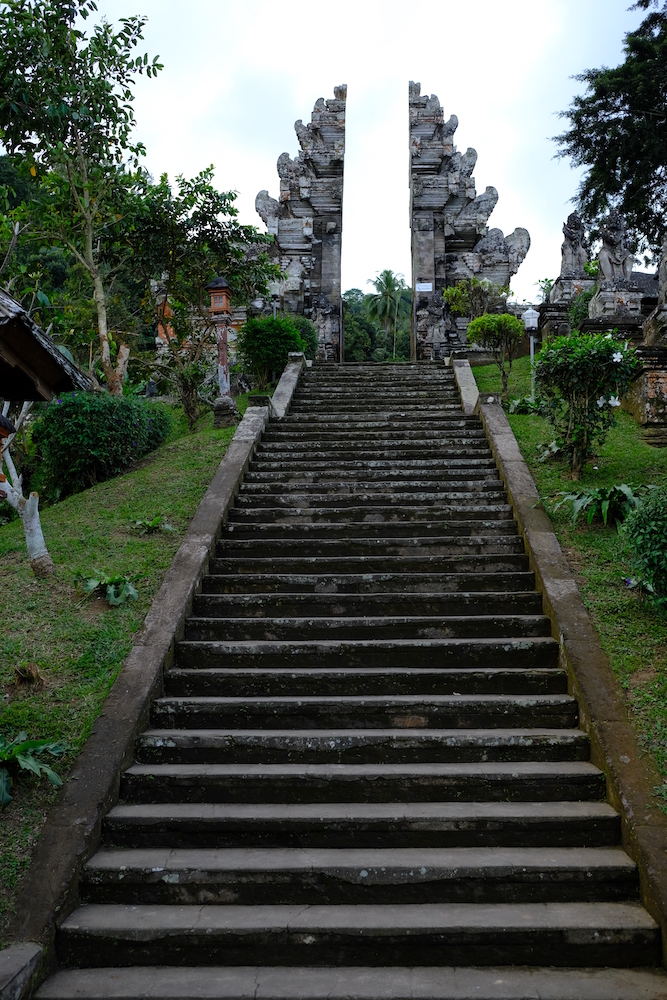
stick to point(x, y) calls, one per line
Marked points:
point(448, 220)
point(307, 223)
point(225, 410)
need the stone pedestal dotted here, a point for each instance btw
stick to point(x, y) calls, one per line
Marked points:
point(553, 321)
point(616, 301)
point(225, 413)
point(565, 290)
point(647, 398)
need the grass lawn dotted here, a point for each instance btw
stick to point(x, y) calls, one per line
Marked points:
point(633, 634)
point(78, 644)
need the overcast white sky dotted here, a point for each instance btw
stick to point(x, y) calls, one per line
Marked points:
point(238, 74)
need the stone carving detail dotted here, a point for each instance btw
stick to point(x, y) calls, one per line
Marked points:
point(662, 275)
point(450, 237)
point(616, 261)
point(307, 220)
point(573, 251)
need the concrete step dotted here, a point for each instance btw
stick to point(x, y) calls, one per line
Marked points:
point(330, 435)
point(461, 566)
point(253, 681)
point(411, 467)
point(334, 476)
point(367, 712)
point(450, 544)
point(199, 629)
point(564, 934)
point(488, 781)
point(285, 983)
point(362, 824)
point(450, 444)
point(170, 745)
point(367, 583)
point(307, 525)
point(442, 653)
point(370, 494)
point(350, 515)
point(293, 605)
point(335, 876)
point(411, 456)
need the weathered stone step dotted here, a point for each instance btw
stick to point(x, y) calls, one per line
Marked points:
point(335, 876)
point(370, 494)
point(389, 407)
point(350, 532)
point(363, 824)
point(412, 468)
point(356, 746)
point(367, 514)
point(276, 983)
point(254, 681)
point(396, 478)
point(367, 712)
point(459, 566)
point(292, 605)
point(410, 455)
point(564, 934)
point(213, 629)
point(443, 653)
point(427, 546)
point(367, 583)
point(516, 781)
point(279, 433)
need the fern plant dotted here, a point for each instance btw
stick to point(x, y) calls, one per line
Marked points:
point(22, 752)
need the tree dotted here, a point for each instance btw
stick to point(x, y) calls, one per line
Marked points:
point(11, 490)
point(384, 305)
point(264, 344)
point(474, 298)
point(500, 333)
point(180, 239)
point(617, 132)
point(66, 106)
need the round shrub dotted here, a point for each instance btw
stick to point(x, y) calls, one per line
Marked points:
point(646, 528)
point(160, 421)
point(581, 380)
point(84, 438)
point(309, 335)
point(263, 345)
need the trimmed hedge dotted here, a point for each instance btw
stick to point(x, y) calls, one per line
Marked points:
point(84, 438)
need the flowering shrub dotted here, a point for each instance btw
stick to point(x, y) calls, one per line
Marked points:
point(582, 379)
point(646, 528)
point(84, 438)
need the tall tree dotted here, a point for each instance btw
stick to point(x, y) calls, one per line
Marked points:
point(618, 132)
point(385, 304)
point(180, 237)
point(66, 107)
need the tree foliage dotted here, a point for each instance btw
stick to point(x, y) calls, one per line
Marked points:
point(387, 301)
point(501, 334)
point(474, 298)
point(618, 133)
point(263, 345)
point(581, 379)
point(66, 108)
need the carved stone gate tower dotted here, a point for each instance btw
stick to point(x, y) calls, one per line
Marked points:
point(450, 237)
point(307, 222)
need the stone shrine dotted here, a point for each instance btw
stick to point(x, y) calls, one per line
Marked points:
point(571, 282)
point(448, 219)
point(306, 223)
point(618, 300)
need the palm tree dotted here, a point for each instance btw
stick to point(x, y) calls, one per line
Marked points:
point(384, 305)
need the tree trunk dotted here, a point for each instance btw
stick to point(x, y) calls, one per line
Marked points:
point(504, 377)
point(28, 510)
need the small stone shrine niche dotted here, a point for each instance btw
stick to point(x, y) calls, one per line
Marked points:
point(307, 220)
point(450, 236)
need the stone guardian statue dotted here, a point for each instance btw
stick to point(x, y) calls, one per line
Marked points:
point(573, 251)
point(616, 261)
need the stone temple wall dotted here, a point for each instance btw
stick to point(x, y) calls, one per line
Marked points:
point(450, 236)
point(307, 221)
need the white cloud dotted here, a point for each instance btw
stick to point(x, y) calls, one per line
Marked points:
point(237, 75)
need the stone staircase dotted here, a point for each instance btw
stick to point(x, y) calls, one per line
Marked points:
point(365, 777)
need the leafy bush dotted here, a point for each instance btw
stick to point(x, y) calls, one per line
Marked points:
point(263, 345)
point(160, 421)
point(117, 589)
point(607, 503)
point(500, 333)
point(474, 298)
point(578, 311)
point(309, 335)
point(85, 438)
point(581, 379)
point(646, 528)
point(22, 751)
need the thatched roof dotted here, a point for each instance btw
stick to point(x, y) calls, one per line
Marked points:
point(31, 366)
